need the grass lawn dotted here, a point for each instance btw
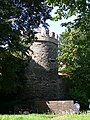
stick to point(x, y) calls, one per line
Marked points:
point(45, 117)
point(27, 117)
point(76, 117)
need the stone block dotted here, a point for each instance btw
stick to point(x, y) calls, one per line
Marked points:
point(56, 107)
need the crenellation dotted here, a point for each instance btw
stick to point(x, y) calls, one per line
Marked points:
point(52, 35)
point(47, 32)
point(45, 35)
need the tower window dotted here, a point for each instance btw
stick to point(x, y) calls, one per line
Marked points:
point(51, 60)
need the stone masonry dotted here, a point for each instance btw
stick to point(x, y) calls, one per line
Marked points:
point(42, 81)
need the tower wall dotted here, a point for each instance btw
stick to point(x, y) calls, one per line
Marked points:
point(42, 79)
point(45, 51)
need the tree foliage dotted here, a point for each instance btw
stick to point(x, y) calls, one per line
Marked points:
point(68, 8)
point(18, 18)
point(74, 48)
point(75, 57)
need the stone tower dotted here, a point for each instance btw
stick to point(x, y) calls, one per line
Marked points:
point(42, 74)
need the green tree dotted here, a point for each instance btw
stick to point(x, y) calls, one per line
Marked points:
point(68, 8)
point(74, 53)
point(75, 57)
point(18, 18)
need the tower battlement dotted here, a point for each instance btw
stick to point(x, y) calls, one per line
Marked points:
point(45, 35)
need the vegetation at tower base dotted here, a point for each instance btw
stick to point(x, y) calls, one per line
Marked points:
point(18, 18)
point(75, 57)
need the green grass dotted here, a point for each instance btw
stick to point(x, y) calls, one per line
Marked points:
point(26, 117)
point(45, 117)
point(76, 117)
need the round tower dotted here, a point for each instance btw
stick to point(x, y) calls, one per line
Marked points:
point(45, 51)
point(42, 79)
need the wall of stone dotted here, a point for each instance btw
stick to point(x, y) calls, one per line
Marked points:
point(57, 107)
point(45, 54)
point(42, 81)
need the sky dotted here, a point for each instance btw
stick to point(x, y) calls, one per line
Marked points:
point(54, 26)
